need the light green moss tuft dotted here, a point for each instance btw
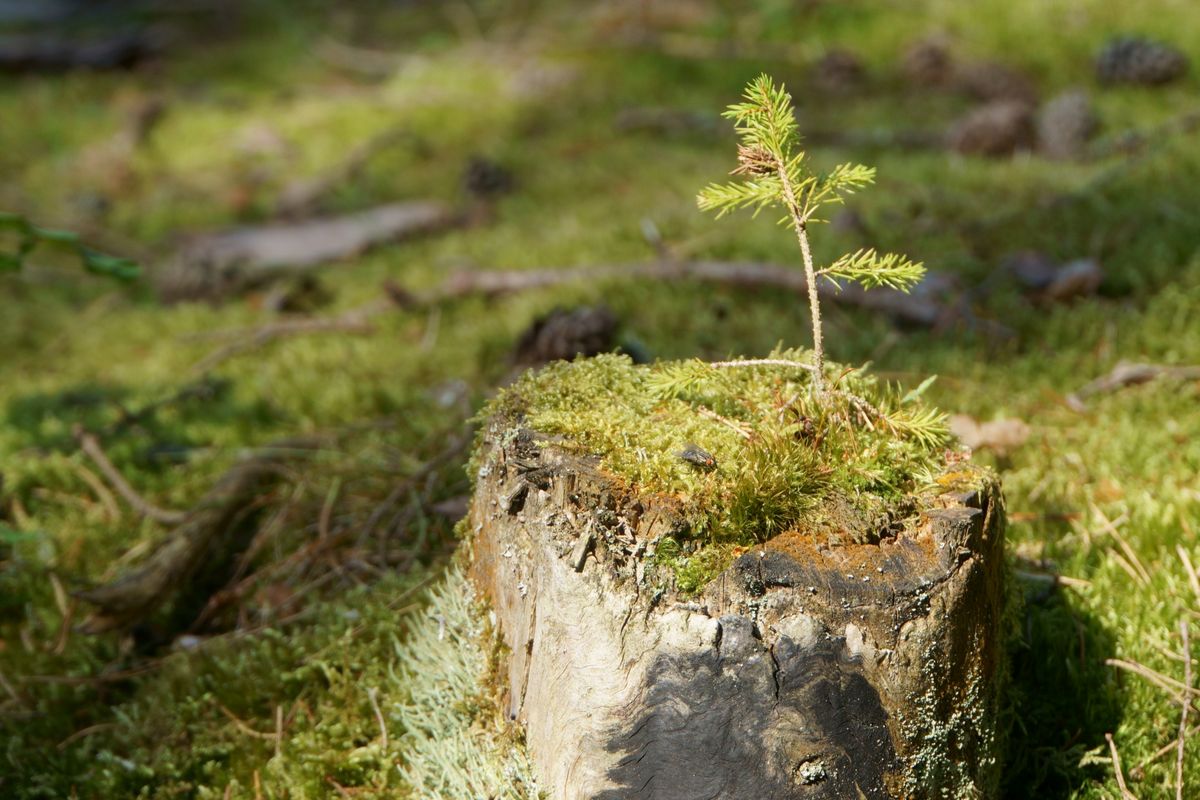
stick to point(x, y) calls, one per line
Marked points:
point(846, 464)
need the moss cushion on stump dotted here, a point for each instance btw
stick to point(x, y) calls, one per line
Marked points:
point(812, 609)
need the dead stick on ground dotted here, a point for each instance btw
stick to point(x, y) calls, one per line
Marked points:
point(1187, 681)
point(922, 307)
point(1127, 374)
point(1157, 678)
point(91, 448)
point(1162, 751)
point(1116, 760)
point(354, 321)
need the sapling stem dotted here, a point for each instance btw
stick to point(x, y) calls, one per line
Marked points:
point(810, 274)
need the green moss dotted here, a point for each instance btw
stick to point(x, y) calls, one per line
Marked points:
point(76, 349)
point(843, 464)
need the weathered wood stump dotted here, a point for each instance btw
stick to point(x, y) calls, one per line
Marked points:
point(805, 670)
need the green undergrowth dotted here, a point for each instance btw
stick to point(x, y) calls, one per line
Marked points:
point(247, 113)
point(745, 451)
point(377, 694)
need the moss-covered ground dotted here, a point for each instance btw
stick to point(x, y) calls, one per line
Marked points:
point(1107, 496)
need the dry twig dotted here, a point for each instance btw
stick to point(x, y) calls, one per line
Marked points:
point(301, 196)
point(926, 305)
point(90, 445)
point(1127, 374)
point(1157, 678)
point(354, 321)
point(1116, 760)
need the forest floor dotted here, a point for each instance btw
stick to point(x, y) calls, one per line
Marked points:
point(591, 128)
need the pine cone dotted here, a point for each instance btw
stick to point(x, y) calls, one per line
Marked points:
point(995, 129)
point(990, 81)
point(1131, 59)
point(838, 70)
point(485, 178)
point(1065, 124)
point(928, 63)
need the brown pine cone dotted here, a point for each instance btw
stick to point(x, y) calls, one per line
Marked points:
point(1131, 59)
point(995, 129)
point(1065, 124)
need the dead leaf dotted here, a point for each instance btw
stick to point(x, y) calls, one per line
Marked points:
point(1001, 436)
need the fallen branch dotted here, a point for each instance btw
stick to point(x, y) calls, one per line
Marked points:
point(90, 445)
point(1128, 374)
point(226, 263)
point(926, 305)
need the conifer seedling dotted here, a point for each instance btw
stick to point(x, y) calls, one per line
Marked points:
point(774, 171)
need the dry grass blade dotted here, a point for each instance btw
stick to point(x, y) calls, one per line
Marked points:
point(715, 417)
point(241, 724)
point(90, 445)
point(1157, 678)
point(1193, 579)
point(373, 696)
point(1183, 714)
point(354, 321)
point(1143, 574)
point(1116, 760)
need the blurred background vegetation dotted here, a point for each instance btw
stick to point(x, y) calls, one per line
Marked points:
point(1045, 168)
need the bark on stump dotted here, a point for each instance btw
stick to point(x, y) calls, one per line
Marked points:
point(803, 671)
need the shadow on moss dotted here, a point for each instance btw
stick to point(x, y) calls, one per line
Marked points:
point(1062, 697)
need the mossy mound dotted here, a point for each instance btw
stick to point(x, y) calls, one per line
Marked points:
point(745, 448)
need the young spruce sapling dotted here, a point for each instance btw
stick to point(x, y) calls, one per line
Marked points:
point(773, 170)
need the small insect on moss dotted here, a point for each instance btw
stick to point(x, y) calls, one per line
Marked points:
point(696, 455)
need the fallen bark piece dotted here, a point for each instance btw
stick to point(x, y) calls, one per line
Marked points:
point(1001, 435)
point(804, 670)
point(1129, 374)
point(227, 263)
point(931, 303)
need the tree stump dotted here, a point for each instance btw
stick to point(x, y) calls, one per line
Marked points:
point(805, 670)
